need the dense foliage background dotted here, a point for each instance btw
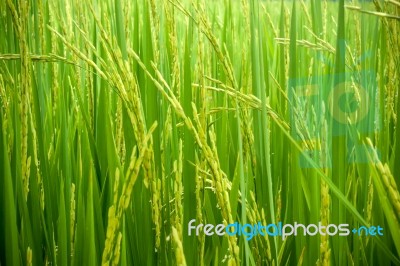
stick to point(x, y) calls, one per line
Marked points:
point(123, 120)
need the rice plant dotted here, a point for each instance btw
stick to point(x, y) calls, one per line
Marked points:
point(128, 126)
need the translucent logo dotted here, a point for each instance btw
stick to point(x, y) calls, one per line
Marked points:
point(326, 106)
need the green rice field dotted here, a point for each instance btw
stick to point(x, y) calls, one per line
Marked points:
point(123, 121)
